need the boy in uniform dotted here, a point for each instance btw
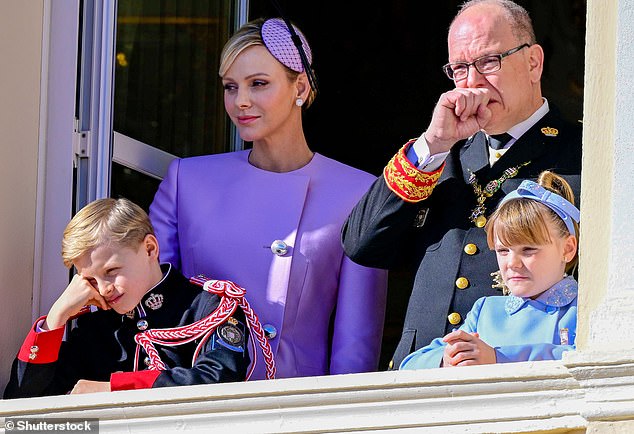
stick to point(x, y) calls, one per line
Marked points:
point(112, 246)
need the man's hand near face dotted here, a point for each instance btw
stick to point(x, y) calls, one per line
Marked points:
point(459, 114)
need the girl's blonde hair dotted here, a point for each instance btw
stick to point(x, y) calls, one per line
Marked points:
point(103, 222)
point(249, 35)
point(525, 221)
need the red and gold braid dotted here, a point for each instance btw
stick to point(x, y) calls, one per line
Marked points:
point(406, 181)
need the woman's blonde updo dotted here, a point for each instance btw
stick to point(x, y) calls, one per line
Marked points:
point(249, 35)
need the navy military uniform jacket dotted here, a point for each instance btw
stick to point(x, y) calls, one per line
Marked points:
point(101, 346)
point(435, 236)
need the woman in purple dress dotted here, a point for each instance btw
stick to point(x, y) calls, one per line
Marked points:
point(270, 218)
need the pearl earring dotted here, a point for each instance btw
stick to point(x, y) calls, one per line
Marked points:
point(299, 102)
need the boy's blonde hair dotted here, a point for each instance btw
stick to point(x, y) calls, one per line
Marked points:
point(524, 220)
point(102, 222)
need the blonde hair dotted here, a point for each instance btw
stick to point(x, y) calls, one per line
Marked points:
point(249, 35)
point(525, 221)
point(102, 222)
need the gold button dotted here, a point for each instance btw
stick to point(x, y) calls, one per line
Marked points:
point(498, 155)
point(462, 282)
point(481, 221)
point(470, 249)
point(391, 364)
point(454, 318)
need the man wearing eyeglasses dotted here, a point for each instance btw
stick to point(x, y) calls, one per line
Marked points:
point(490, 132)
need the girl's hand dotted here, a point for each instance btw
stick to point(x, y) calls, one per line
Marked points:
point(465, 349)
point(77, 294)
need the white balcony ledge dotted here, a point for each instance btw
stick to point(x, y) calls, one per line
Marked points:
point(525, 397)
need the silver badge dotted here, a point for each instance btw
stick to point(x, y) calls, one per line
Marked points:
point(142, 324)
point(563, 336)
point(154, 301)
point(231, 334)
point(34, 349)
point(420, 218)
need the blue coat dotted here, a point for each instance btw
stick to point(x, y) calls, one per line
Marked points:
point(520, 329)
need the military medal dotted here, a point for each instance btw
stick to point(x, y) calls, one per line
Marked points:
point(34, 349)
point(231, 334)
point(477, 216)
point(563, 336)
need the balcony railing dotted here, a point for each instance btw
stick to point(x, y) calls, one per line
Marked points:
point(560, 396)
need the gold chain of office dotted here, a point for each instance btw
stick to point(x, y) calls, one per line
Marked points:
point(482, 194)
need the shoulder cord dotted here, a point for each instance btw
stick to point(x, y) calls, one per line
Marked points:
point(231, 296)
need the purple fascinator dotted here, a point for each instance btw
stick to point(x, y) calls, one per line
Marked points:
point(277, 39)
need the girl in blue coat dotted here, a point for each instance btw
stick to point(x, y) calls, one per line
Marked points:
point(534, 234)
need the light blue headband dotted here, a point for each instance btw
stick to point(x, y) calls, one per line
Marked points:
point(564, 209)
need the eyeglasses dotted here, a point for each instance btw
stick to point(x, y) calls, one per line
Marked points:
point(484, 65)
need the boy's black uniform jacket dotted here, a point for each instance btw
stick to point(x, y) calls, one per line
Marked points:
point(102, 343)
point(383, 230)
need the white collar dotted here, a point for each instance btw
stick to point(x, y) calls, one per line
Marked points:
point(516, 131)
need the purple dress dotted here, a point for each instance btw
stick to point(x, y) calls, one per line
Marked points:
point(219, 215)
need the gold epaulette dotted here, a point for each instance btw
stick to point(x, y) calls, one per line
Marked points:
point(406, 181)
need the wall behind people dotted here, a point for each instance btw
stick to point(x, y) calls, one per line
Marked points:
point(379, 69)
point(20, 48)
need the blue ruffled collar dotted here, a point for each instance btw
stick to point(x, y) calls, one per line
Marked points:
point(560, 294)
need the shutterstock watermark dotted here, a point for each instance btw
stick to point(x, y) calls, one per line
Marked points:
point(50, 425)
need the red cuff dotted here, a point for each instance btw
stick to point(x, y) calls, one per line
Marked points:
point(41, 347)
point(406, 181)
point(133, 380)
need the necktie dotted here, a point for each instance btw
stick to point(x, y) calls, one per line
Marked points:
point(498, 141)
